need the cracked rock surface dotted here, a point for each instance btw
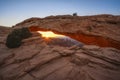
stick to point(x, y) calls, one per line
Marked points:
point(35, 60)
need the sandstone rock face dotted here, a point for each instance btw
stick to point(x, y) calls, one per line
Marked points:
point(102, 30)
point(36, 60)
point(3, 33)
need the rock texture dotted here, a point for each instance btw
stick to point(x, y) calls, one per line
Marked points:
point(102, 30)
point(36, 60)
point(3, 33)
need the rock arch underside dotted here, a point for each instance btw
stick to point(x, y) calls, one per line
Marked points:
point(85, 38)
point(98, 59)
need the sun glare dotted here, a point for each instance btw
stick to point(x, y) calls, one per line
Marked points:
point(49, 34)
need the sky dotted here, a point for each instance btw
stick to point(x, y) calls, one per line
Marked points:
point(15, 11)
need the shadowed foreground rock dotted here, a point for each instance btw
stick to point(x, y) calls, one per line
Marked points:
point(15, 37)
point(35, 60)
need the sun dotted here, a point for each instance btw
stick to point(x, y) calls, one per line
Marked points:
point(49, 34)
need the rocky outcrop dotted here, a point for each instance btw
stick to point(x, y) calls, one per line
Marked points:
point(102, 30)
point(35, 59)
point(4, 31)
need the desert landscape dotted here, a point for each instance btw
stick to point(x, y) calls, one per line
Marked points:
point(76, 48)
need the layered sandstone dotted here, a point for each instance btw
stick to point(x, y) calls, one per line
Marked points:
point(36, 59)
point(102, 30)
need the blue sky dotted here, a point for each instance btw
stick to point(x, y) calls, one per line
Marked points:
point(15, 11)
